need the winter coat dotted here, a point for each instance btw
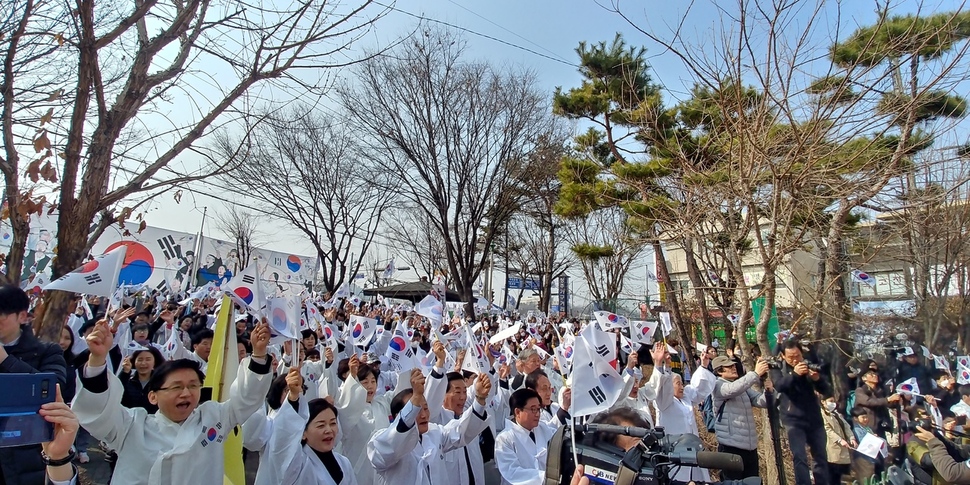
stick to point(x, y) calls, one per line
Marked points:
point(22, 465)
point(836, 430)
point(876, 405)
point(797, 401)
point(735, 422)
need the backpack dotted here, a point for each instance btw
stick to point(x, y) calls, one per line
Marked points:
point(849, 403)
point(707, 412)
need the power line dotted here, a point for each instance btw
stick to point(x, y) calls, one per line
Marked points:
point(505, 29)
point(489, 37)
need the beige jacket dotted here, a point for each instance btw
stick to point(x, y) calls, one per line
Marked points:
point(836, 430)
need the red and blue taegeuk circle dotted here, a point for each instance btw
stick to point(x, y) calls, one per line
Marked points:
point(612, 317)
point(88, 267)
point(139, 263)
point(398, 344)
point(293, 263)
point(358, 331)
point(568, 351)
point(328, 332)
point(244, 294)
point(646, 329)
point(279, 319)
point(211, 434)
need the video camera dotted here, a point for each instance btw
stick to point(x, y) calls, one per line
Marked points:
point(648, 463)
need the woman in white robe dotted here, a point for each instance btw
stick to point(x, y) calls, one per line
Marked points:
point(261, 428)
point(675, 411)
point(362, 413)
point(304, 452)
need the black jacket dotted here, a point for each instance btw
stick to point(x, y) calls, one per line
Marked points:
point(797, 401)
point(21, 465)
point(136, 396)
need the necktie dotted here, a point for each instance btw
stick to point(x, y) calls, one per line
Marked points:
point(468, 465)
point(532, 436)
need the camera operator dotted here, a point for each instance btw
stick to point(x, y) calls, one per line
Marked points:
point(796, 384)
point(945, 466)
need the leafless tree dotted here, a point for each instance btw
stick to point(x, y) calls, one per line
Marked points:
point(410, 229)
point(310, 170)
point(450, 130)
point(244, 228)
point(153, 79)
point(605, 248)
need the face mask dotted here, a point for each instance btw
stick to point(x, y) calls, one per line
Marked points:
point(830, 406)
point(944, 383)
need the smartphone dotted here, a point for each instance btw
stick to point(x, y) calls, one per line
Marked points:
point(20, 423)
point(962, 420)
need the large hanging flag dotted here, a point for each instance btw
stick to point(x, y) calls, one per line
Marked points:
point(399, 354)
point(609, 320)
point(362, 329)
point(245, 290)
point(430, 308)
point(97, 277)
point(596, 384)
point(220, 374)
point(641, 331)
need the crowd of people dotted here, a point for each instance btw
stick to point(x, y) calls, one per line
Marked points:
point(323, 410)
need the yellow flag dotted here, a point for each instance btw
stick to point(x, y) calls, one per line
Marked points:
point(220, 373)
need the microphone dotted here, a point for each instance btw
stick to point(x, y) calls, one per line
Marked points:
point(708, 459)
point(615, 429)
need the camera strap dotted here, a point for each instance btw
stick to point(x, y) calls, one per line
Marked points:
point(720, 411)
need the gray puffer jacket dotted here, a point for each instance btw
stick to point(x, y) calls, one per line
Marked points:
point(735, 426)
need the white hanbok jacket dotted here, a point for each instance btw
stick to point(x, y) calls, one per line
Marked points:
point(677, 415)
point(155, 450)
point(259, 431)
point(358, 421)
point(401, 455)
point(295, 463)
point(519, 460)
point(646, 395)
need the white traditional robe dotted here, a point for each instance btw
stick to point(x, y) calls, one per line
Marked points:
point(401, 455)
point(359, 420)
point(677, 415)
point(258, 433)
point(155, 450)
point(295, 463)
point(519, 460)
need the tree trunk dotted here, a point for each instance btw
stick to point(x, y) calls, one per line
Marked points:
point(72, 239)
point(18, 241)
point(693, 272)
point(672, 299)
point(821, 281)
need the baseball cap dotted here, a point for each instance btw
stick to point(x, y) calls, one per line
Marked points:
point(721, 361)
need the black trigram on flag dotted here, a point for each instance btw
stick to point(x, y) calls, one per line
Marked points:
point(603, 350)
point(395, 357)
point(169, 248)
point(277, 261)
point(599, 397)
point(93, 278)
point(248, 279)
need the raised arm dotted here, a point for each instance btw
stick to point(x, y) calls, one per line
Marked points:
point(98, 401)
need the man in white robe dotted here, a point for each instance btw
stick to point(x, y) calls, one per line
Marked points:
point(411, 450)
point(520, 450)
point(182, 443)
